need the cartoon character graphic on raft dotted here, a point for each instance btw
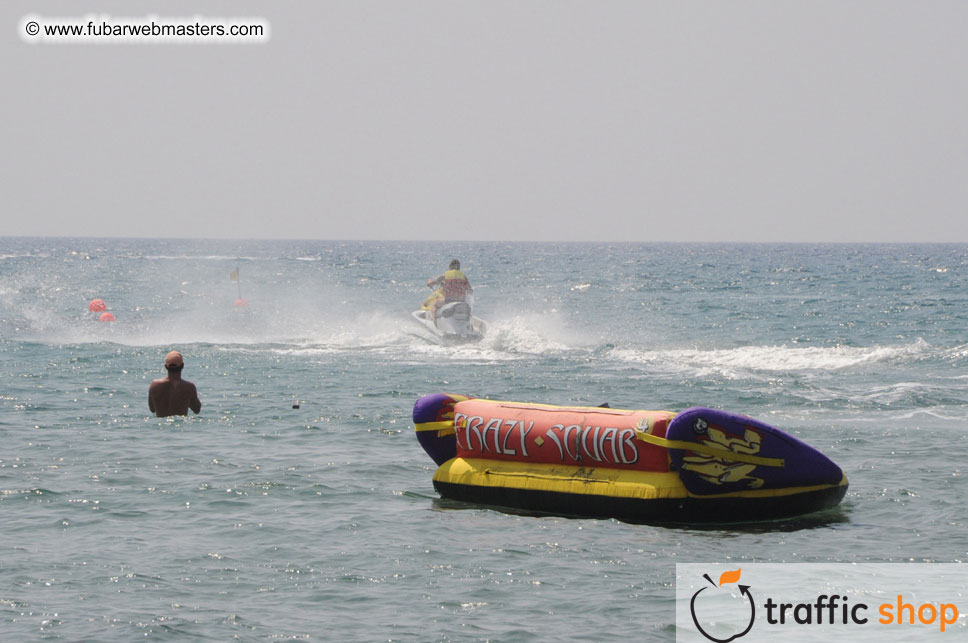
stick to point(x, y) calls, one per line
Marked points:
point(719, 470)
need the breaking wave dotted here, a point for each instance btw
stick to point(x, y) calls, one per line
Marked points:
point(774, 359)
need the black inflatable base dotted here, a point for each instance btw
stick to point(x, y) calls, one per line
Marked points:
point(679, 510)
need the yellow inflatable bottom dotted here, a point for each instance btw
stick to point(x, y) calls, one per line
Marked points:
point(633, 496)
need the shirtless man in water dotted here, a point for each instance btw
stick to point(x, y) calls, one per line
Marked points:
point(172, 395)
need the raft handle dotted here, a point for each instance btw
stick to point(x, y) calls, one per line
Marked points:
point(697, 447)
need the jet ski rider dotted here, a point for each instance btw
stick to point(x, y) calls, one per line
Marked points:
point(453, 284)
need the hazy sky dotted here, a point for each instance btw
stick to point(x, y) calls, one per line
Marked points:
point(497, 120)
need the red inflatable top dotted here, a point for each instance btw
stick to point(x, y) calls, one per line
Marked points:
point(587, 436)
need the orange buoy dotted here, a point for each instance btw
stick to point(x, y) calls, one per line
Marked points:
point(106, 317)
point(240, 303)
point(97, 305)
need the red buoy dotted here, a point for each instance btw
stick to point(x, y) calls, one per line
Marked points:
point(106, 317)
point(240, 303)
point(97, 305)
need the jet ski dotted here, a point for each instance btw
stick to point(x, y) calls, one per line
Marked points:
point(455, 323)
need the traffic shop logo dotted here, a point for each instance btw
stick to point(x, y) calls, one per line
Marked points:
point(722, 616)
point(724, 579)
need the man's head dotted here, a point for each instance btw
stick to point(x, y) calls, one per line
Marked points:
point(454, 264)
point(174, 361)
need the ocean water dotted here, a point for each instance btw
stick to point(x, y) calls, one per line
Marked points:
point(257, 521)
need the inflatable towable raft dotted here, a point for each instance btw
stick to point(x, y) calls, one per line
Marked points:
point(700, 465)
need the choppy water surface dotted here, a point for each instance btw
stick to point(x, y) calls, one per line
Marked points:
point(259, 521)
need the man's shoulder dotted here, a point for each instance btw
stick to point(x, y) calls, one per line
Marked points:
point(161, 382)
